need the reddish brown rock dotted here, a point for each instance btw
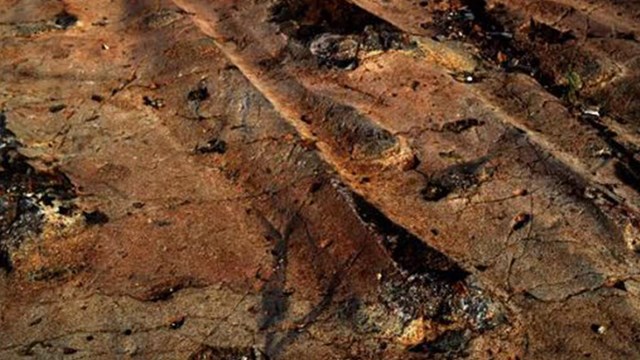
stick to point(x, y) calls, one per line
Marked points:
point(208, 179)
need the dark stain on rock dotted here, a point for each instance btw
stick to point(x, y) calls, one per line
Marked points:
point(199, 94)
point(548, 34)
point(65, 20)
point(69, 350)
point(628, 174)
point(97, 98)
point(275, 302)
point(434, 191)
point(165, 291)
point(57, 108)
point(453, 179)
point(520, 221)
point(24, 193)
point(215, 146)
point(462, 125)
point(451, 343)
point(95, 217)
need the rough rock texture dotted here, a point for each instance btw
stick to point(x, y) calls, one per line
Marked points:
point(320, 179)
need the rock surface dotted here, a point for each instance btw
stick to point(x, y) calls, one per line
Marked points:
point(320, 179)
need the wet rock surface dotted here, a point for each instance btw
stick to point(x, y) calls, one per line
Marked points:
point(336, 180)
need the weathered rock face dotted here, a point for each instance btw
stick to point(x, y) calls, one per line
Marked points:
point(319, 179)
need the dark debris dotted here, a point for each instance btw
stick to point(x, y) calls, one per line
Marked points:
point(95, 217)
point(336, 32)
point(57, 108)
point(155, 103)
point(65, 20)
point(213, 146)
point(177, 323)
point(199, 94)
point(459, 126)
point(456, 178)
point(24, 193)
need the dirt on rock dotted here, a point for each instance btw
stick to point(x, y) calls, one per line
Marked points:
point(203, 179)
